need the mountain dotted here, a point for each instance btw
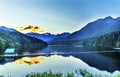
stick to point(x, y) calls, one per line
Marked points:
point(91, 30)
point(110, 40)
point(10, 38)
point(47, 37)
point(60, 37)
point(96, 29)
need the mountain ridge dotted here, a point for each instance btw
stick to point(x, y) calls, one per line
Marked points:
point(96, 28)
point(48, 37)
point(10, 38)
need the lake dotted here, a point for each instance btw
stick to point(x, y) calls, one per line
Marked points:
point(90, 55)
point(67, 59)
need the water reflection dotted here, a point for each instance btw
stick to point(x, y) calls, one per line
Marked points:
point(54, 63)
point(91, 55)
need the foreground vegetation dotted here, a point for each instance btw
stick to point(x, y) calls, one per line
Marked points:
point(49, 74)
point(79, 73)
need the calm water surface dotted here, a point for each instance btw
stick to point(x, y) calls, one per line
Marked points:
point(89, 55)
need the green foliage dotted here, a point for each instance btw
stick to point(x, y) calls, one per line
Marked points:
point(84, 73)
point(118, 76)
point(78, 73)
point(49, 74)
point(118, 44)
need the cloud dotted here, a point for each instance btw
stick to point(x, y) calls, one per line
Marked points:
point(30, 28)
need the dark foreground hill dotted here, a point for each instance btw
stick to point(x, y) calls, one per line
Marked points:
point(10, 38)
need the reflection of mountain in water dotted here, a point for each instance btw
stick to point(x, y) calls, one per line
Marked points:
point(54, 63)
point(91, 57)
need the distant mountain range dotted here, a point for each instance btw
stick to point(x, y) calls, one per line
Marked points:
point(48, 37)
point(91, 30)
point(88, 35)
point(102, 32)
point(96, 29)
point(10, 38)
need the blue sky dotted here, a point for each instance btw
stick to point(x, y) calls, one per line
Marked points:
point(56, 16)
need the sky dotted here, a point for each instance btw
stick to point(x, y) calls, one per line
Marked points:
point(56, 16)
